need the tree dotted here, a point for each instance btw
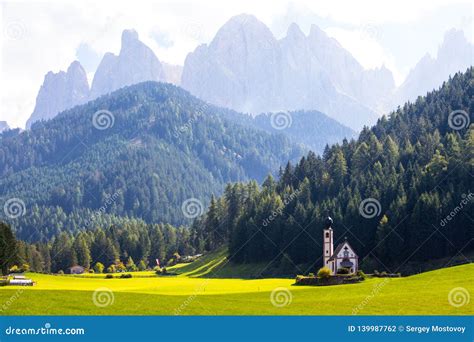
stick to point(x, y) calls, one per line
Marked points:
point(82, 251)
point(8, 248)
point(131, 267)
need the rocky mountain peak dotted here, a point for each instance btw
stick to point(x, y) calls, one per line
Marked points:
point(60, 91)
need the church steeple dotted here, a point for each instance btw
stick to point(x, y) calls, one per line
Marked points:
point(328, 241)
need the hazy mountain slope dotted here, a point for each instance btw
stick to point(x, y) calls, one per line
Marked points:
point(312, 129)
point(454, 54)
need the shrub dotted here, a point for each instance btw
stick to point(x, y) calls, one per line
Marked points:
point(91, 271)
point(142, 265)
point(15, 269)
point(324, 273)
point(361, 275)
point(111, 269)
point(311, 275)
point(343, 270)
point(109, 276)
point(127, 275)
point(60, 272)
point(99, 267)
point(383, 274)
point(164, 271)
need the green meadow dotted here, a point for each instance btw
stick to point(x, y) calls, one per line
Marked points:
point(193, 291)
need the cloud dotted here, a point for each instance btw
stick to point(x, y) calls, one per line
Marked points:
point(88, 57)
point(163, 39)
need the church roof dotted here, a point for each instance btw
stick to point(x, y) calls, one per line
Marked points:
point(338, 249)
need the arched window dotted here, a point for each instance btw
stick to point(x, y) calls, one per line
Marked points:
point(327, 234)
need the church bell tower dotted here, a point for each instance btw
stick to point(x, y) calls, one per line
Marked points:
point(328, 241)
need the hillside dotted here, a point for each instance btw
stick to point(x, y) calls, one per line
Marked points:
point(401, 193)
point(311, 129)
point(428, 293)
point(152, 147)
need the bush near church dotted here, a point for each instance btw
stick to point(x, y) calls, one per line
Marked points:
point(325, 278)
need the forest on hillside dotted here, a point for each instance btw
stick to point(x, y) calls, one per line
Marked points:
point(402, 192)
point(392, 193)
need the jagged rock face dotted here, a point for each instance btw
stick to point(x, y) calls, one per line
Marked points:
point(172, 73)
point(238, 69)
point(455, 54)
point(247, 69)
point(3, 126)
point(60, 91)
point(135, 63)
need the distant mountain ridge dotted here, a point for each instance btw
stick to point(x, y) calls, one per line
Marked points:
point(311, 129)
point(455, 54)
point(135, 63)
point(247, 69)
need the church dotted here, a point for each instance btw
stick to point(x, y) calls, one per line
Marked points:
point(343, 256)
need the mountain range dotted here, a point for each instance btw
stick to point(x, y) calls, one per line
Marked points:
point(247, 69)
point(135, 63)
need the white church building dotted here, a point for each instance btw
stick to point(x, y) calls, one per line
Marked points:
point(343, 256)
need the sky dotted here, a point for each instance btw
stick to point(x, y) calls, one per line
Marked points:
point(39, 36)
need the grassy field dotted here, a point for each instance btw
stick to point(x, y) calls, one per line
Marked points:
point(192, 293)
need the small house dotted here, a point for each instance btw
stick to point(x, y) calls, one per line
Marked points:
point(76, 269)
